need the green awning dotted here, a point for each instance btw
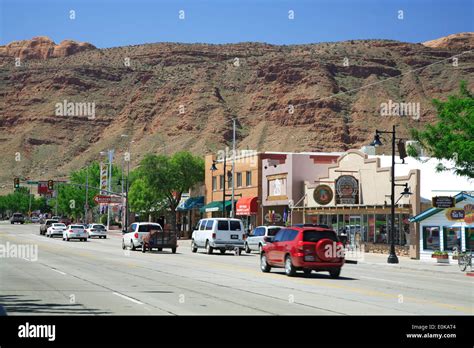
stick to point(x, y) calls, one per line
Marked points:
point(216, 206)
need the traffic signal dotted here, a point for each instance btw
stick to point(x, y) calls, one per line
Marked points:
point(16, 183)
point(50, 185)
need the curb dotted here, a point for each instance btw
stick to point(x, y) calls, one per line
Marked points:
point(470, 274)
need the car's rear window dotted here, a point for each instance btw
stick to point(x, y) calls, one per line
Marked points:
point(234, 225)
point(77, 226)
point(222, 225)
point(17, 215)
point(99, 227)
point(59, 225)
point(315, 236)
point(273, 231)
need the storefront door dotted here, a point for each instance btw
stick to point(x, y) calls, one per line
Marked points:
point(355, 232)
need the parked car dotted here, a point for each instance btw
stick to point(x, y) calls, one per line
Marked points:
point(17, 218)
point(133, 237)
point(75, 232)
point(56, 229)
point(303, 248)
point(47, 223)
point(96, 230)
point(219, 233)
point(35, 219)
point(255, 240)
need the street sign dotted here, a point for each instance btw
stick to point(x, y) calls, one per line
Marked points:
point(443, 202)
point(104, 199)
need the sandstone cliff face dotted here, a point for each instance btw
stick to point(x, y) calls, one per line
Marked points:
point(462, 41)
point(42, 47)
point(171, 97)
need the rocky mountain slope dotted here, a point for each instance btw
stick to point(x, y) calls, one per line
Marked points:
point(171, 96)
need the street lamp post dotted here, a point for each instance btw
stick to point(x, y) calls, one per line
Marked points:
point(224, 195)
point(392, 258)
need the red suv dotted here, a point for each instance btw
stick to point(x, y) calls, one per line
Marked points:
point(303, 248)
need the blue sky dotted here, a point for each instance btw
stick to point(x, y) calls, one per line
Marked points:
point(108, 23)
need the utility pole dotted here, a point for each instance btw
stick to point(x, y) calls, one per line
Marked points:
point(57, 198)
point(111, 158)
point(232, 213)
point(223, 188)
point(29, 208)
point(86, 205)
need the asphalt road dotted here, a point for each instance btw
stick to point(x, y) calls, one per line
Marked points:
point(99, 278)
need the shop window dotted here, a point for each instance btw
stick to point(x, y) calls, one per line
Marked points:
point(405, 237)
point(381, 230)
point(221, 181)
point(430, 238)
point(469, 234)
point(248, 178)
point(452, 238)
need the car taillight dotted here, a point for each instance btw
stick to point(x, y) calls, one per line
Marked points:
point(136, 235)
point(299, 245)
point(213, 236)
point(70, 231)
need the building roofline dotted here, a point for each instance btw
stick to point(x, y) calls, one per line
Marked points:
point(461, 196)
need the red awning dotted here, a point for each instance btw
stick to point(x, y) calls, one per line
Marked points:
point(246, 206)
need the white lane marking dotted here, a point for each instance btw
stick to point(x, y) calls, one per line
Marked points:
point(383, 280)
point(127, 298)
point(56, 270)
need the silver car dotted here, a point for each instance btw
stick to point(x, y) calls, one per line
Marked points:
point(255, 242)
point(96, 230)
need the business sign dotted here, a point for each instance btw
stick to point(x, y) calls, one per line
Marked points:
point(323, 194)
point(443, 202)
point(103, 178)
point(455, 214)
point(469, 213)
point(347, 190)
point(43, 189)
point(104, 199)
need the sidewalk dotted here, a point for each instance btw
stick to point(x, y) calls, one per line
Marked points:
point(407, 263)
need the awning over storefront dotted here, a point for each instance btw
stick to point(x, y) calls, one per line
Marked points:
point(191, 203)
point(246, 206)
point(216, 206)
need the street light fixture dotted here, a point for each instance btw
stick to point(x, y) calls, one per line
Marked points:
point(392, 258)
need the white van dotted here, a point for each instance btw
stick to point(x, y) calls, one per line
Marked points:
point(218, 233)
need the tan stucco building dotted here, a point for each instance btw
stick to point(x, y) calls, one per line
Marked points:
point(353, 197)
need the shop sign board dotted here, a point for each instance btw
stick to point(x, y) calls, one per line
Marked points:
point(323, 194)
point(347, 190)
point(443, 202)
point(455, 214)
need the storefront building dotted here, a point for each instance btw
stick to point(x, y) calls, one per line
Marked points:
point(283, 178)
point(353, 197)
point(247, 186)
point(447, 229)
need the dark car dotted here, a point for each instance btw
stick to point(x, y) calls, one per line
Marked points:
point(303, 248)
point(47, 223)
point(17, 218)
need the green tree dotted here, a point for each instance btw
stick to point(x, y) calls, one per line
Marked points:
point(452, 137)
point(167, 178)
point(140, 198)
